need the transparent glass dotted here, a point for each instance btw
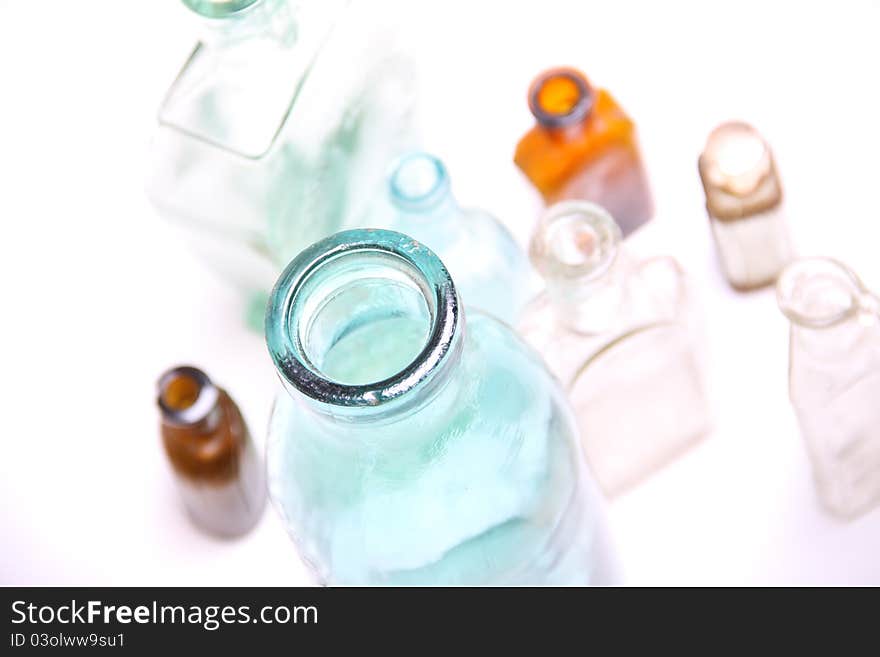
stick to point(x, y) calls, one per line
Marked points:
point(744, 202)
point(834, 379)
point(278, 129)
point(584, 147)
point(624, 338)
point(411, 447)
point(490, 270)
point(218, 473)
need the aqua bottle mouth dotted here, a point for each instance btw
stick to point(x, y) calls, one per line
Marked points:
point(219, 8)
point(357, 283)
point(418, 182)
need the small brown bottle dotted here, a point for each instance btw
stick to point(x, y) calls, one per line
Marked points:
point(584, 147)
point(213, 457)
point(744, 203)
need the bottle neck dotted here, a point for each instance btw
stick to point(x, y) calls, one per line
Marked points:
point(561, 100)
point(365, 326)
point(829, 307)
point(189, 401)
point(223, 23)
point(420, 190)
point(576, 247)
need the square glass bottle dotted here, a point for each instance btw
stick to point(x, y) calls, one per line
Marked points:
point(584, 146)
point(623, 337)
point(744, 202)
point(278, 129)
point(834, 379)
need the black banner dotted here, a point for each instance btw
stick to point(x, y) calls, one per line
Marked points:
point(294, 619)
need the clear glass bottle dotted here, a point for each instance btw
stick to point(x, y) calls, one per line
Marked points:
point(744, 202)
point(584, 146)
point(410, 446)
point(278, 128)
point(218, 472)
point(624, 339)
point(490, 270)
point(834, 379)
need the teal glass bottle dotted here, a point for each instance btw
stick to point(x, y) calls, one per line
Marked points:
point(410, 446)
point(490, 270)
point(277, 130)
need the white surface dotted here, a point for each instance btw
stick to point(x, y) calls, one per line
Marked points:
point(99, 296)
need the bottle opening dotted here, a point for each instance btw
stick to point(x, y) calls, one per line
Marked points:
point(366, 317)
point(361, 318)
point(575, 239)
point(186, 395)
point(560, 97)
point(218, 8)
point(736, 158)
point(818, 292)
point(418, 181)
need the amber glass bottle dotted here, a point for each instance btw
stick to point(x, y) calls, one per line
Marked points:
point(584, 146)
point(211, 452)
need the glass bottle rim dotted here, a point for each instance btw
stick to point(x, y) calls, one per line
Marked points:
point(580, 107)
point(285, 311)
point(190, 411)
point(220, 9)
point(586, 230)
point(736, 158)
point(418, 181)
point(803, 271)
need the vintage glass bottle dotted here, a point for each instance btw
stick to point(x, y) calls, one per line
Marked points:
point(744, 202)
point(834, 379)
point(213, 458)
point(584, 146)
point(490, 270)
point(624, 339)
point(410, 446)
point(278, 129)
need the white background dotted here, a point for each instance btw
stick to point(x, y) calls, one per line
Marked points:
point(99, 295)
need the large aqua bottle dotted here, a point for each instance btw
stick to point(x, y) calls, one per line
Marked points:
point(410, 446)
point(491, 272)
point(278, 129)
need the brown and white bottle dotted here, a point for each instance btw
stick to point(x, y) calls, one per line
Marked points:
point(215, 463)
point(744, 202)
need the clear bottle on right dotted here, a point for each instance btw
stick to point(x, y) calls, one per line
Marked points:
point(834, 379)
point(744, 203)
point(624, 338)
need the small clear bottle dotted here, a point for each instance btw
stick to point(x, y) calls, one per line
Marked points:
point(218, 472)
point(277, 130)
point(834, 379)
point(744, 202)
point(490, 270)
point(623, 337)
point(584, 147)
point(412, 445)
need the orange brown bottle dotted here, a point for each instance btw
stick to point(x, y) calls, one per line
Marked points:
point(584, 146)
point(216, 466)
